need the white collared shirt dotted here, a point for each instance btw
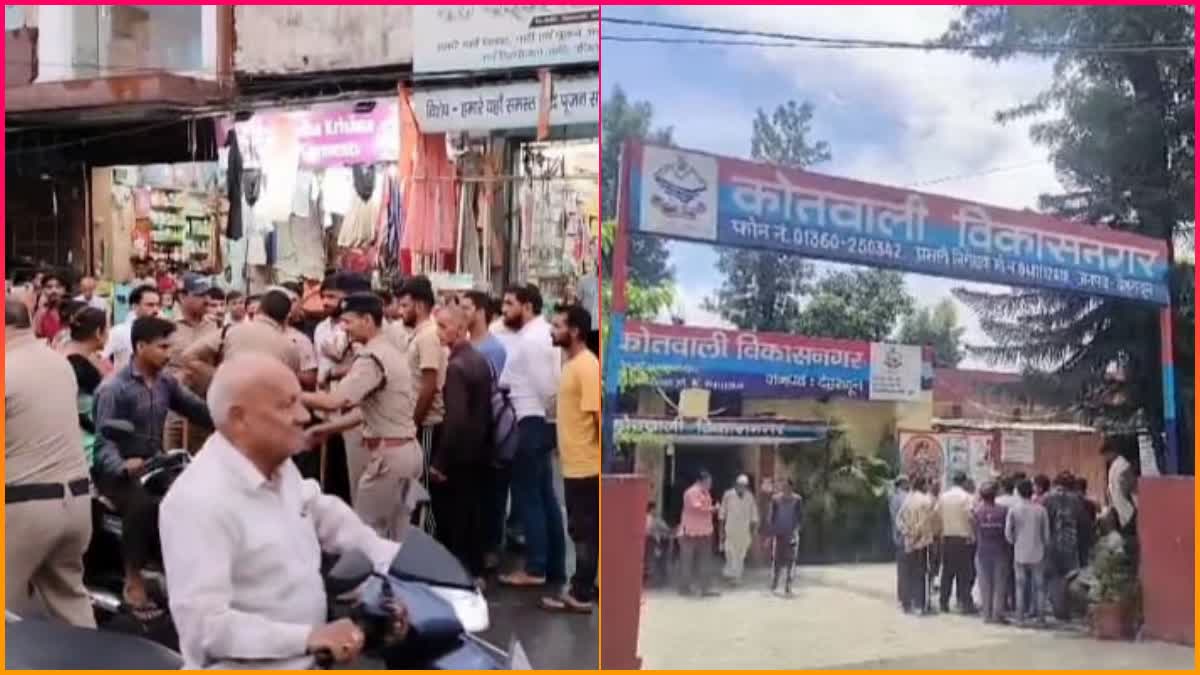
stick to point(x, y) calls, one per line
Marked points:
point(243, 554)
point(328, 333)
point(532, 370)
point(119, 347)
point(954, 506)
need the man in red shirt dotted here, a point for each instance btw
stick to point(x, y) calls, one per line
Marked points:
point(696, 538)
point(47, 319)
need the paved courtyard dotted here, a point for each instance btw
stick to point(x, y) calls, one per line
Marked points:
point(845, 616)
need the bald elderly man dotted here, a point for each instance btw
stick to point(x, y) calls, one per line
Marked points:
point(242, 533)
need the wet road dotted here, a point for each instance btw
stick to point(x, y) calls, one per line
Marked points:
point(551, 640)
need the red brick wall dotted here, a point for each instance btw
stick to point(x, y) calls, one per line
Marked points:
point(623, 538)
point(1167, 536)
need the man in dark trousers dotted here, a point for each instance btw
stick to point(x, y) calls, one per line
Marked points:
point(461, 458)
point(784, 524)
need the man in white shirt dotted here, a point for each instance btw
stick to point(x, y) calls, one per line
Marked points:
point(531, 374)
point(958, 537)
point(1122, 497)
point(144, 302)
point(87, 294)
point(242, 534)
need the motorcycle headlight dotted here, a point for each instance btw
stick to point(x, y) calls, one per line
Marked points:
point(469, 606)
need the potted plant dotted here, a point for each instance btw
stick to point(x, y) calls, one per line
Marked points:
point(1114, 591)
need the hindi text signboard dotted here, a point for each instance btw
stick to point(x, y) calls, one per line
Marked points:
point(732, 202)
point(500, 37)
point(505, 106)
point(775, 364)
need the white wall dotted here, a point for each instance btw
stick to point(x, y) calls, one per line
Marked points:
point(280, 39)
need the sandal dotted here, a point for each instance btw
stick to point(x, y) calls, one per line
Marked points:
point(565, 603)
point(522, 579)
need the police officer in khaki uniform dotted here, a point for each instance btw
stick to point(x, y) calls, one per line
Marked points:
point(47, 501)
point(380, 389)
point(265, 333)
point(191, 327)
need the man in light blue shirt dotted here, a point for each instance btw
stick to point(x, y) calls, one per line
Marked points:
point(480, 311)
point(1027, 528)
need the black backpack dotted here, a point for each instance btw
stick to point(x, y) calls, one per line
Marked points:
point(504, 423)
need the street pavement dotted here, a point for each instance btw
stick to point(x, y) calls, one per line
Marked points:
point(846, 616)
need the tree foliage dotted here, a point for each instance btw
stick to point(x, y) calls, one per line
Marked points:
point(761, 290)
point(937, 327)
point(858, 304)
point(1119, 126)
point(624, 120)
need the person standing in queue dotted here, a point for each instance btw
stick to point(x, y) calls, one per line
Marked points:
point(578, 429)
point(378, 388)
point(47, 500)
point(427, 358)
point(192, 326)
point(531, 373)
point(243, 534)
point(460, 464)
point(142, 394)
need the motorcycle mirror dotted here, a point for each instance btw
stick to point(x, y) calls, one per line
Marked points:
point(348, 573)
point(117, 431)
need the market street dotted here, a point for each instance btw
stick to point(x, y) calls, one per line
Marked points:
point(845, 616)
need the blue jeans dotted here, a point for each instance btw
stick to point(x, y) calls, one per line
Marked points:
point(1030, 590)
point(536, 503)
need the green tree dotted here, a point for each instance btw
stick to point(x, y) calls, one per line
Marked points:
point(649, 260)
point(858, 304)
point(762, 289)
point(937, 328)
point(1119, 126)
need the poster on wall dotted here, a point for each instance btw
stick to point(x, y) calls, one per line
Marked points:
point(938, 456)
point(921, 454)
point(497, 37)
point(1016, 446)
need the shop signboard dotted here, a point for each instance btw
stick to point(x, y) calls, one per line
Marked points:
point(723, 431)
point(456, 38)
point(733, 202)
point(505, 106)
point(325, 136)
point(775, 364)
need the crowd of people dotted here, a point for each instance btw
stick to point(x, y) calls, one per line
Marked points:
point(444, 411)
point(1007, 550)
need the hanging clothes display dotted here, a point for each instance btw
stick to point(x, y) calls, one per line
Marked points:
point(233, 182)
point(359, 228)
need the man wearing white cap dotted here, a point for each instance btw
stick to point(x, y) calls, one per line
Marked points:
point(739, 520)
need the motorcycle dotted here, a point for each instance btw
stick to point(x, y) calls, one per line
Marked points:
point(445, 613)
point(104, 571)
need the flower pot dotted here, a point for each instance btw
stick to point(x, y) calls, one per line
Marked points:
point(1112, 621)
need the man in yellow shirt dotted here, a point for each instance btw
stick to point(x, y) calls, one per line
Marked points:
point(578, 412)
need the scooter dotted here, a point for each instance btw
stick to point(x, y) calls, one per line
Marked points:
point(444, 609)
point(104, 572)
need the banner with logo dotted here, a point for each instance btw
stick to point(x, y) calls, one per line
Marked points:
point(454, 38)
point(775, 364)
point(506, 106)
point(733, 202)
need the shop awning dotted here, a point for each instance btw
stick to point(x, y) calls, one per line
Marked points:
point(724, 431)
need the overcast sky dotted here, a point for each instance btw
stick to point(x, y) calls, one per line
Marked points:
point(899, 118)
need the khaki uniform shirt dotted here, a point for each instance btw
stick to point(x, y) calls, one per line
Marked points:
point(426, 352)
point(262, 334)
point(305, 349)
point(187, 334)
point(42, 440)
point(385, 395)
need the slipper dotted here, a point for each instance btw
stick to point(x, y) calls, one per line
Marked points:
point(553, 604)
point(565, 604)
point(521, 579)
